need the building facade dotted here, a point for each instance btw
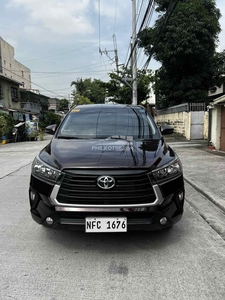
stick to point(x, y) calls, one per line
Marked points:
point(9, 94)
point(53, 104)
point(217, 123)
point(34, 102)
point(11, 68)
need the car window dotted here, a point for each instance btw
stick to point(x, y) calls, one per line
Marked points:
point(126, 122)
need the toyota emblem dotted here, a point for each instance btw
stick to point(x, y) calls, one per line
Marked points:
point(106, 182)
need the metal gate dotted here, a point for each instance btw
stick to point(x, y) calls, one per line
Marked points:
point(222, 135)
point(197, 125)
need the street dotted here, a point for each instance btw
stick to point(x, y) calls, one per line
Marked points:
point(183, 262)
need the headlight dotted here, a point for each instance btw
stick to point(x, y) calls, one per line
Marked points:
point(43, 170)
point(168, 171)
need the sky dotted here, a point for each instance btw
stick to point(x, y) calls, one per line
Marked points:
point(59, 40)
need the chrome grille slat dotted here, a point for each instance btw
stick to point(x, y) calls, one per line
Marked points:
point(82, 189)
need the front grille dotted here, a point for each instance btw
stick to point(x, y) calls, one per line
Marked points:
point(81, 188)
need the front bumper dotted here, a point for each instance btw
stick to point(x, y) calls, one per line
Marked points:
point(145, 220)
point(168, 204)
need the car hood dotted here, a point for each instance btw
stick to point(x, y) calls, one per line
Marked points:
point(69, 154)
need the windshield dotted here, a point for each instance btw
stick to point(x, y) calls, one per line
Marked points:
point(113, 122)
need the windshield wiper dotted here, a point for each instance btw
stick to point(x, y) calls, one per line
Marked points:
point(117, 137)
point(68, 137)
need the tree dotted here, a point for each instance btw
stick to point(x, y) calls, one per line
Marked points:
point(49, 118)
point(97, 91)
point(81, 100)
point(63, 105)
point(93, 90)
point(80, 86)
point(119, 87)
point(186, 50)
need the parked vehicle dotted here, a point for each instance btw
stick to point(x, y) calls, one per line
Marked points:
point(107, 169)
point(166, 129)
point(19, 132)
point(50, 129)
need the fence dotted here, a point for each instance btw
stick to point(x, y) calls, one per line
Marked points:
point(188, 119)
point(185, 107)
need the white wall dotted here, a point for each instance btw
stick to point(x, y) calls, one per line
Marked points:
point(181, 123)
point(216, 126)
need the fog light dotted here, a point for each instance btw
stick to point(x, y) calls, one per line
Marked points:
point(163, 221)
point(32, 195)
point(49, 221)
point(181, 196)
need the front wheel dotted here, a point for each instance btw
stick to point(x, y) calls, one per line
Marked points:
point(14, 138)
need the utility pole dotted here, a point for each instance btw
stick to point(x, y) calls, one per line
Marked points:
point(115, 59)
point(134, 54)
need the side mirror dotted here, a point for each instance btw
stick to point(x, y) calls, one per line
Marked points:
point(166, 129)
point(51, 129)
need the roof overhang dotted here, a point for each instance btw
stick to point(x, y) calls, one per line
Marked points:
point(219, 101)
point(9, 79)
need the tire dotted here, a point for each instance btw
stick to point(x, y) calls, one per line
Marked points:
point(15, 138)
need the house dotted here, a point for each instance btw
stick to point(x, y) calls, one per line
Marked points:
point(13, 76)
point(216, 92)
point(217, 123)
point(34, 102)
point(10, 97)
point(11, 68)
point(53, 104)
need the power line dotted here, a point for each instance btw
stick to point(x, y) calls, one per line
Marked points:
point(83, 70)
point(115, 18)
point(78, 73)
point(168, 14)
point(140, 9)
point(32, 82)
point(149, 7)
point(148, 10)
point(106, 52)
point(145, 24)
point(99, 24)
point(66, 52)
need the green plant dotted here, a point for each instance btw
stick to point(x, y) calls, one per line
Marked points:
point(6, 124)
point(48, 119)
point(3, 126)
point(41, 124)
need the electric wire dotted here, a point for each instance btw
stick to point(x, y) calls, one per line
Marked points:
point(145, 24)
point(145, 21)
point(73, 50)
point(168, 14)
point(33, 83)
point(99, 25)
point(140, 10)
point(142, 24)
point(114, 27)
point(88, 68)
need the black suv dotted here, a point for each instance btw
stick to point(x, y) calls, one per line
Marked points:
point(107, 169)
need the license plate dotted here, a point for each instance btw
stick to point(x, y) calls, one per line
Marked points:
point(106, 224)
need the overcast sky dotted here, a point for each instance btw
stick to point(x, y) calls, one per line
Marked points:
point(59, 40)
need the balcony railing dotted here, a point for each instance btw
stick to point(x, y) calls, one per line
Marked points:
point(32, 107)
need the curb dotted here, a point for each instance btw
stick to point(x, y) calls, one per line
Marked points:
point(214, 199)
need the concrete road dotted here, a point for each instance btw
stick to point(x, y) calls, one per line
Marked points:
point(184, 262)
